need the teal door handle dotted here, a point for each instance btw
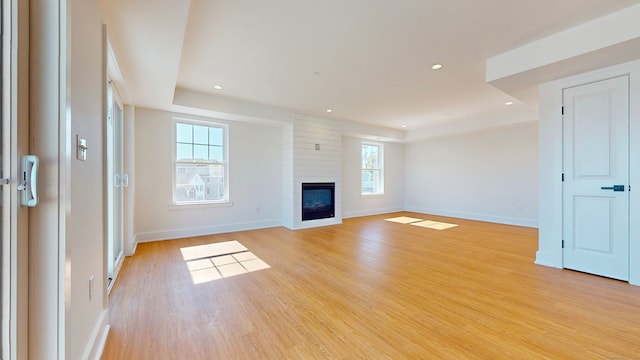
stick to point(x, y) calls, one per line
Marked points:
point(614, 187)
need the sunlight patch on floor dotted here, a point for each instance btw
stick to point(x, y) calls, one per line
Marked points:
point(220, 260)
point(211, 250)
point(436, 225)
point(403, 219)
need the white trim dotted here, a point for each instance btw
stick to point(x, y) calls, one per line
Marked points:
point(113, 131)
point(8, 262)
point(117, 266)
point(200, 205)
point(533, 223)
point(353, 214)
point(204, 230)
point(547, 259)
point(226, 147)
point(98, 338)
point(113, 69)
point(307, 224)
point(66, 152)
point(380, 167)
point(129, 191)
point(369, 196)
point(135, 247)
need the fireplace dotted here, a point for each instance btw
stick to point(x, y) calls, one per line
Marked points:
point(318, 201)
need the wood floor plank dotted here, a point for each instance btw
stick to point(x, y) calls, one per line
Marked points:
point(372, 289)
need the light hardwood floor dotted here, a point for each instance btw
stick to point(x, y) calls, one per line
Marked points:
point(372, 289)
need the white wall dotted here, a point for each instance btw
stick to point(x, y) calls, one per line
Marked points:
point(550, 146)
point(353, 203)
point(490, 175)
point(288, 217)
point(255, 178)
point(130, 190)
point(304, 163)
point(85, 219)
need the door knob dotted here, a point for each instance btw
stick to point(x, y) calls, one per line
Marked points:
point(614, 187)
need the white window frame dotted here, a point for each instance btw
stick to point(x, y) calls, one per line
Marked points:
point(186, 204)
point(380, 168)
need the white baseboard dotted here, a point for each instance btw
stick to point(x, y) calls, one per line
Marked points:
point(135, 247)
point(478, 217)
point(202, 231)
point(549, 259)
point(220, 229)
point(369, 212)
point(308, 224)
point(98, 338)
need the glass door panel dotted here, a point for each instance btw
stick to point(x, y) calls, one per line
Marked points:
point(117, 180)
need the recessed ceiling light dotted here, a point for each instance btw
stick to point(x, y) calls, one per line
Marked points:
point(329, 110)
point(403, 126)
point(217, 87)
point(509, 103)
point(436, 66)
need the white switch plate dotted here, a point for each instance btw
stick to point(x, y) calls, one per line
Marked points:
point(91, 288)
point(81, 153)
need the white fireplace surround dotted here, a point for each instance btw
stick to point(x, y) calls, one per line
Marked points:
point(312, 153)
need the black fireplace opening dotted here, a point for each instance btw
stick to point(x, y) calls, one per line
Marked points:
point(318, 201)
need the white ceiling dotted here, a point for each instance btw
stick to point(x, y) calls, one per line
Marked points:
point(367, 60)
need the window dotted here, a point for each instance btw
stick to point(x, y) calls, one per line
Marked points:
point(200, 163)
point(372, 170)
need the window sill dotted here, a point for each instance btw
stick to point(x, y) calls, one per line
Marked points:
point(371, 195)
point(200, 205)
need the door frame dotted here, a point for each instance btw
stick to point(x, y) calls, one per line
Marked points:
point(15, 133)
point(550, 252)
point(50, 137)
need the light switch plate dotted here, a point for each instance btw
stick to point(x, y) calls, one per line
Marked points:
point(81, 153)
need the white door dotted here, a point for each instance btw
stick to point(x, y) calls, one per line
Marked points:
point(117, 181)
point(4, 224)
point(596, 178)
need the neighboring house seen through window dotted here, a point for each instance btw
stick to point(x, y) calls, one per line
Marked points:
point(372, 169)
point(200, 163)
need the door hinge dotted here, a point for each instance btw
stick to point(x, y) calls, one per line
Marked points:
point(563, 244)
point(562, 177)
point(562, 110)
point(4, 181)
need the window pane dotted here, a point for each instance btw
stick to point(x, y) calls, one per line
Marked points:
point(198, 179)
point(367, 182)
point(374, 157)
point(216, 153)
point(184, 152)
point(184, 133)
point(197, 182)
point(372, 175)
point(216, 136)
point(376, 182)
point(200, 152)
point(370, 158)
point(201, 135)
point(365, 155)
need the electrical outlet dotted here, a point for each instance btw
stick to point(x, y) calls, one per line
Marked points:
point(91, 288)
